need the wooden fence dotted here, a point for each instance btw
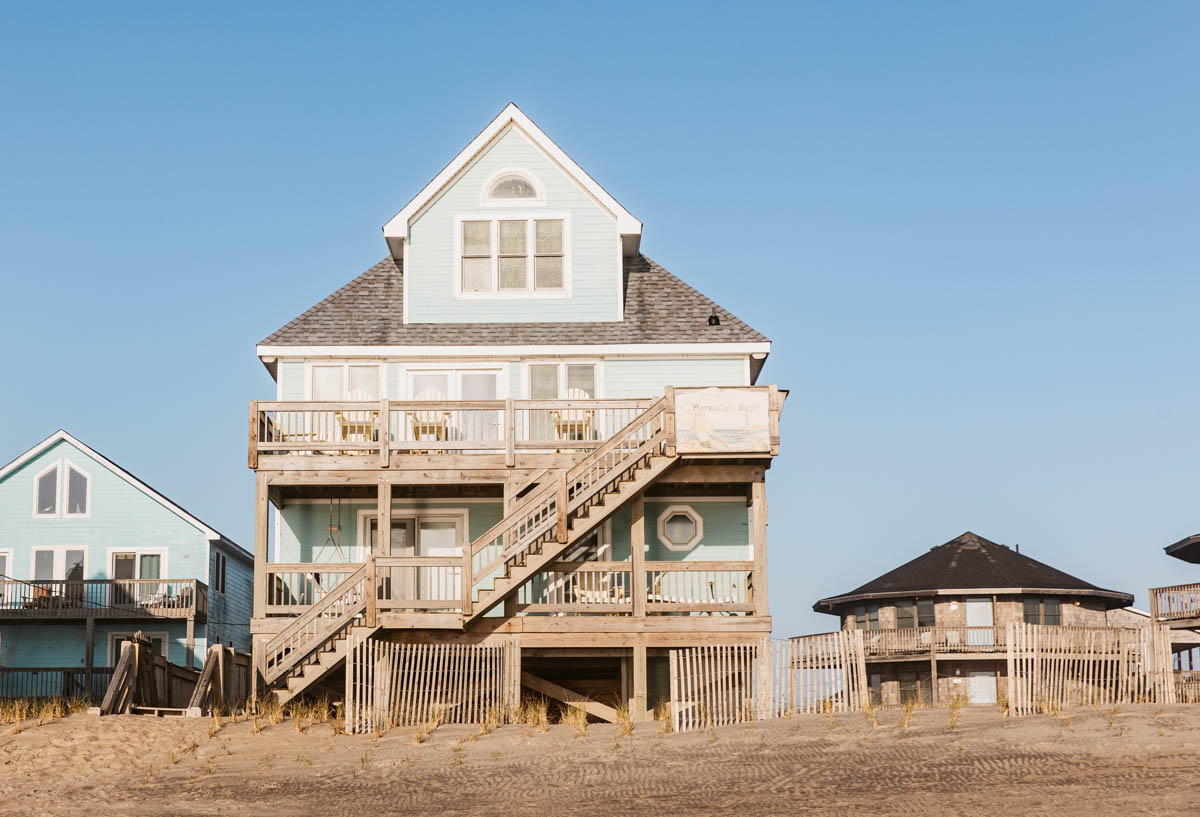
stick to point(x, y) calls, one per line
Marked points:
point(144, 680)
point(1187, 687)
point(718, 685)
point(54, 682)
point(389, 684)
point(1058, 667)
point(224, 682)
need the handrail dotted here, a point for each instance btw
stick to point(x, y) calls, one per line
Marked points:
point(1175, 602)
point(316, 625)
point(60, 597)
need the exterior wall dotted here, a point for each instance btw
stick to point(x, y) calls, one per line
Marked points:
point(726, 531)
point(303, 527)
point(950, 611)
point(120, 517)
point(291, 380)
point(626, 377)
point(229, 612)
point(594, 246)
point(63, 645)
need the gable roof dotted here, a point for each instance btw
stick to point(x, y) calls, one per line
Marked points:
point(512, 117)
point(369, 311)
point(62, 436)
point(1187, 549)
point(970, 562)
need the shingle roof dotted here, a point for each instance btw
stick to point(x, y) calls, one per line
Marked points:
point(970, 562)
point(369, 311)
point(1187, 549)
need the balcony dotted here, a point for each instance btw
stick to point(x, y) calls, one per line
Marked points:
point(419, 585)
point(921, 642)
point(104, 599)
point(1177, 606)
point(368, 434)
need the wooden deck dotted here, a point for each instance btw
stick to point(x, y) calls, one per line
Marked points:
point(923, 642)
point(1177, 606)
point(104, 599)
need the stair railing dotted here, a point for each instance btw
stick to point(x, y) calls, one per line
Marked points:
point(335, 612)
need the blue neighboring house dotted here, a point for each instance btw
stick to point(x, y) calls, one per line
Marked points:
point(90, 554)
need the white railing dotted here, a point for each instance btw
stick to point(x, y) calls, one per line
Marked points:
point(578, 587)
point(294, 587)
point(712, 587)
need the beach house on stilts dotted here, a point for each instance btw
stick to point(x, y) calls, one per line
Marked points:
point(515, 454)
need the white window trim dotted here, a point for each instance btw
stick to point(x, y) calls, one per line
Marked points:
point(7, 553)
point(309, 365)
point(495, 292)
point(58, 561)
point(528, 175)
point(460, 516)
point(148, 634)
point(66, 491)
point(57, 490)
point(455, 370)
point(689, 512)
point(562, 363)
point(164, 574)
point(223, 558)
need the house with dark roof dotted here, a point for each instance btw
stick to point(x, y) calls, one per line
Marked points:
point(515, 429)
point(936, 625)
point(1178, 606)
point(91, 554)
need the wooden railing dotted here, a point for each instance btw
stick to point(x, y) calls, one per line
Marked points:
point(332, 615)
point(435, 426)
point(578, 587)
point(1179, 602)
point(418, 583)
point(924, 640)
point(104, 598)
point(700, 587)
point(294, 587)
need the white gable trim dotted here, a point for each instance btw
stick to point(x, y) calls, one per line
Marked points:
point(553, 350)
point(60, 436)
point(397, 227)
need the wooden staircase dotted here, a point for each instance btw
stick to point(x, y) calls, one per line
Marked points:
point(567, 506)
point(564, 506)
point(315, 643)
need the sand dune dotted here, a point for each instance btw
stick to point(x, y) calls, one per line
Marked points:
point(1140, 760)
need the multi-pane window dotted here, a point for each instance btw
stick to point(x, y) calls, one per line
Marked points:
point(338, 381)
point(866, 616)
point(1043, 611)
point(916, 613)
point(558, 381)
point(512, 255)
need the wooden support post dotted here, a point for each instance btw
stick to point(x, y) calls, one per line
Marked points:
point(383, 515)
point(510, 499)
point(510, 434)
point(669, 421)
point(933, 676)
point(637, 706)
point(372, 593)
point(190, 642)
point(758, 541)
point(773, 410)
point(561, 508)
point(252, 451)
point(89, 653)
point(262, 510)
point(385, 432)
point(637, 552)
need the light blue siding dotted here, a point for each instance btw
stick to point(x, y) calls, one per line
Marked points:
point(303, 528)
point(630, 377)
point(121, 516)
point(726, 531)
point(291, 379)
point(594, 248)
point(229, 612)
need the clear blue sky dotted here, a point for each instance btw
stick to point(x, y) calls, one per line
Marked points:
point(969, 229)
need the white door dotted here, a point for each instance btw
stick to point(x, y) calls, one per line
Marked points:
point(438, 537)
point(979, 614)
point(982, 689)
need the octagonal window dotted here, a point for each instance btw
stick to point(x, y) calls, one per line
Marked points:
point(680, 528)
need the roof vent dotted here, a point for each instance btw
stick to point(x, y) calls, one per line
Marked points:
point(713, 319)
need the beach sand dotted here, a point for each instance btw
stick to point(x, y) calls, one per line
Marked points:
point(1138, 760)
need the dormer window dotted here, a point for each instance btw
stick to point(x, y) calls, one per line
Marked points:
point(512, 256)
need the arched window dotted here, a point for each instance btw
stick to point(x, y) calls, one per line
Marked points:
point(512, 186)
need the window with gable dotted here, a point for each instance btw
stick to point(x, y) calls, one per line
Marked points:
point(512, 255)
point(512, 186)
